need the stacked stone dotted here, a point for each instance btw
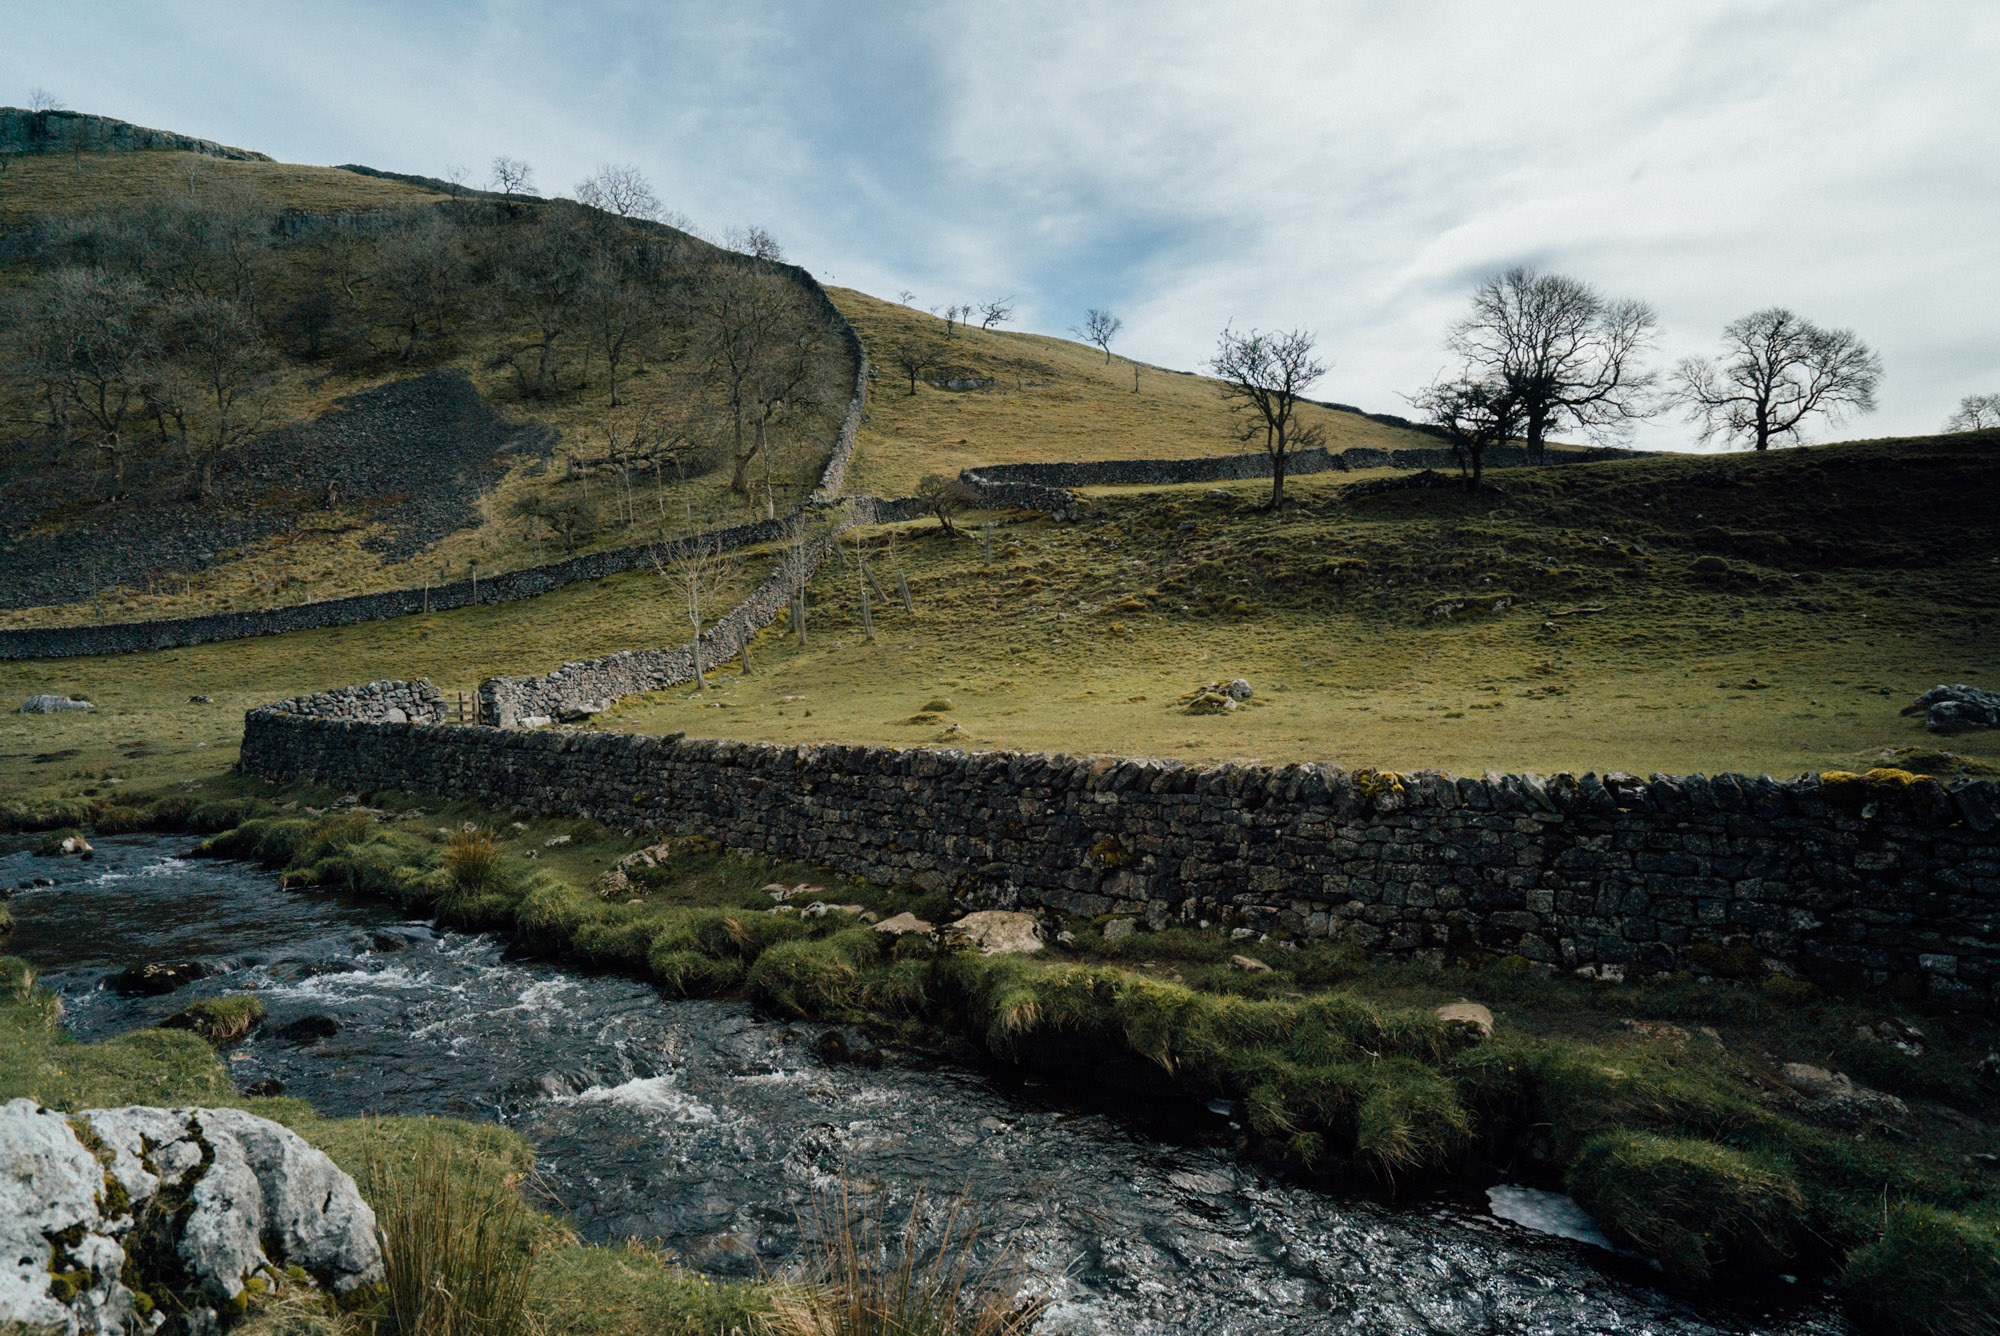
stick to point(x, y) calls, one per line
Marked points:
point(1856, 879)
point(389, 702)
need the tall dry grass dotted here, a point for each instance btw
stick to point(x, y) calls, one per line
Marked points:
point(925, 1275)
point(455, 1250)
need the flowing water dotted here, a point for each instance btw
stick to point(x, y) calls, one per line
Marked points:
point(707, 1126)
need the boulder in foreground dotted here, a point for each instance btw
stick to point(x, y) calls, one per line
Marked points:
point(101, 1211)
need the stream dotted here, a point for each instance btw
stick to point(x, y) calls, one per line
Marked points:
point(707, 1126)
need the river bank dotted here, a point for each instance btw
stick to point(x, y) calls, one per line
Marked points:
point(1663, 1105)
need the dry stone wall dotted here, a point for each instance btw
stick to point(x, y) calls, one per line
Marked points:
point(1847, 879)
point(1237, 468)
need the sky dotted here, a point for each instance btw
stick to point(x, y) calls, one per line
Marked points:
point(1349, 167)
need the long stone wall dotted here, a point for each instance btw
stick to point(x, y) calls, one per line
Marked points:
point(1236, 468)
point(1853, 880)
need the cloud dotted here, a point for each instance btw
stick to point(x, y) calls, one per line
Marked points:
point(1351, 167)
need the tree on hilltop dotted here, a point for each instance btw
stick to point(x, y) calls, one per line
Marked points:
point(1776, 370)
point(622, 190)
point(1265, 376)
point(511, 176)
point(1976, 412)
point(1099, 327)
point(1568, 355)
point(996, 313)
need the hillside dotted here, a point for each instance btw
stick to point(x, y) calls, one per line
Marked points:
point(1034, 398)
point(330, 296)
point(1770, 613)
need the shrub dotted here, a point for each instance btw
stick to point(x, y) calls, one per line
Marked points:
point(1931, 1272)
point(1697, 1206)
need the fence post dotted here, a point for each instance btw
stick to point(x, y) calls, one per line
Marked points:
point(903, 588)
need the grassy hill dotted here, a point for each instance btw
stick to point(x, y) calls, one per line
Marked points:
point(331, 300)
point(1043, 399)
point(1771, 613)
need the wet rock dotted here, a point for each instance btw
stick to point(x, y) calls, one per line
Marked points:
point(155, 980)
point(1956, 708)
point(267, 1088)
point(1469, 1014)
point(996, 932)
point(904, 922)
point(1249, 964)
point(191, 1202)
point(310, 1029)
point(1833, 1096)
point(54, 705)
point(1896, 1033)
point(836, 1048)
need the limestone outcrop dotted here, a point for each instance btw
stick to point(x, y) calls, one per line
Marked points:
point(142, 1219)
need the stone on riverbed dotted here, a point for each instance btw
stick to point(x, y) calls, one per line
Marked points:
point(195, 1201)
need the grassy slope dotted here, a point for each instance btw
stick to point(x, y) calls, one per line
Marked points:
point(324, 557)
point(1870, 580)
point(1053, 400)
point(1331, 631)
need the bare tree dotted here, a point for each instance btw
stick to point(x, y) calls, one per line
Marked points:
point(1100, 328)
point(762, 353)
point(421, 276)
point(1776, 370)
point(622, 190)
point(945, 496)
point(41, 99)
point(617, 314)
point(797, 566)
point(1568, 355)
point(1475, 415)
point(540, 270)
point(694, 569)
point(1976, 412)
point(511, 176)
point(754, 241)
point(1265, 376)
point(915, 355)
point(208, 395)
point(996, 313)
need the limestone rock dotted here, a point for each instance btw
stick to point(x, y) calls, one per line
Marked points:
point(903, 923)
point(1468, 1014)
point(1834, 1097)
point(54, 705)
point(997, 932)
point(1250, 964)
point(1118, 929)
point(206, 1199)
point(1951, 709)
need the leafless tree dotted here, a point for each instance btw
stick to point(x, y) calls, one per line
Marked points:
point(694, 568)
point(1475, 416)
point(208, 394)
point(797, 567)
point(617, 314)
point(945, 496)
point(762, 351)
point(511, 176)
point(1976, 412)
point(1100, 328)
point(540, 272)
point(915, 355)
point(421, 277)
point(1265, 376)
point(994, 314)
point(1776, 370)
point(41, 99)
point(754, 241)
point(1568, 355)
point(619, 189)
